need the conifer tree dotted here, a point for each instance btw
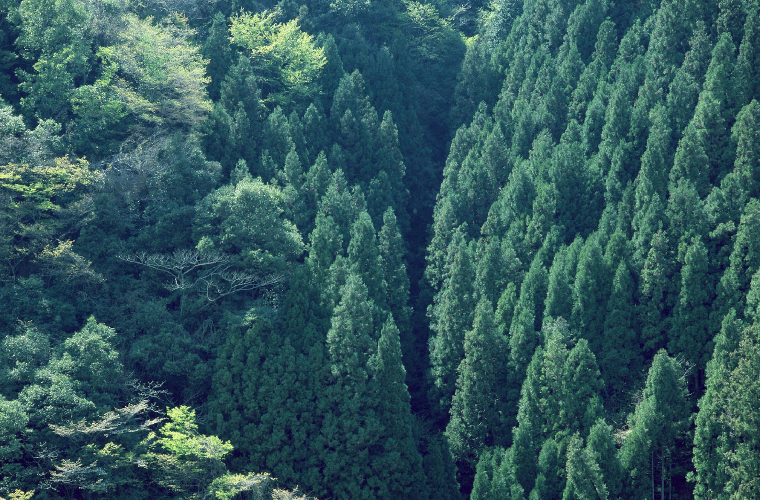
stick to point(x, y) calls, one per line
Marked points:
point(217, 51)
point(497, 265)
point(440, 470)
point(550, 478)
point(620, 358)
point(236, 380)
point(326, 243)
point(350, 427)
point(687, 82)
point(452, 313)
point(590, 291)
point(731, 19)
point(747, 61)
point(559, 294)
point(659, 426)
point(365, 260)
point(523, 331)
point(656, 159)
point(505, 308)
point(744, 134)
point(580, 404)
point(691, 332)
point(584, 477)
point(713, 435)
point(575, 212)
point(392, 252)
point(314, 133)
point(601, 446)
point(277, 143)
point(389, 160)
point(713, 114)
point(488, 466)
point(240, 86)
point(741, 409)
point(478, 418)
point(342, 203)
point(744, 261)
point(655, 290)
point(333, 70)
point(686, 216)
point(395, 461)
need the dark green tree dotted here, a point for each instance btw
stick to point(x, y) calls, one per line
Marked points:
point(653, 450)
point(451, 313)
point(743, 134)
point(601, 446)
point(217, 50)
point(365, 260)
point(620, 359)
point(744, 261)
point(392, 251)
point(478, 418)
point(590, 293)
point(523, 331)
point(655, 292)
point(691, 327)
point(747, 61)
point(395, 461)
point(550, 479)
point(350, 427)
point(713, 437)
point(440, 470)
point(580, 405)
point(584, 476)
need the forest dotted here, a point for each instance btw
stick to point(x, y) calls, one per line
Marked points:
point(380, 249)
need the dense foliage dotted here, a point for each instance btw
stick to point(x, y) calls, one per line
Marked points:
point(367, 249)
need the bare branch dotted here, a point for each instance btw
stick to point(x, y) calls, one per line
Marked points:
point(188, 268)
point(120, 421)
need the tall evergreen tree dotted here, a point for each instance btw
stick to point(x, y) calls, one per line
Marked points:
point(440, 470)
point(601, 446)
point(217, 51)
point(550, 478)
point(655, 295)
point(395, 461)
point(713, 437)
point(747, 61)
point(559, 294)
point(365, 259)
point(350, 427)
point(478, 419)
point(743, 468)
point(691, 332)
point(584, 476)
point(590, 291)
point(523, 331)
point(744, 261)
point(744, 134)
point(392, 251)
point(452, 313)
point(687, 82)
point(659, 427)
point(580, 406)
point(620, 358)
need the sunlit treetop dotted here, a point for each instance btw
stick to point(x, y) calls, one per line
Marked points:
point(286, 58)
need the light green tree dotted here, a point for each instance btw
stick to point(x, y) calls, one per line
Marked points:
point(288, 60)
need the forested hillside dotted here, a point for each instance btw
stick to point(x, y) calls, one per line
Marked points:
point(380, 249)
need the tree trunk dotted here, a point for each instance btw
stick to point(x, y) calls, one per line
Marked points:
point(662, 476)
point(653, 498)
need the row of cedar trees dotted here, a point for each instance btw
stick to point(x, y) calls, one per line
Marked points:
point(586, 300)
point(595, 255)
